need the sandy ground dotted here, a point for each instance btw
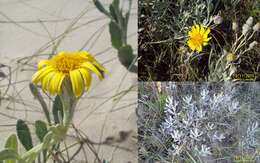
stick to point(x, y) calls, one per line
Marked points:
point(25, 27)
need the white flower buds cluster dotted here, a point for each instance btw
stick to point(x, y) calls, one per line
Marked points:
point(252, 45)
point(248, 25)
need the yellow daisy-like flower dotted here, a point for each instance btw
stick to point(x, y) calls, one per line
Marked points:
point(76, 67)
point(198, 37)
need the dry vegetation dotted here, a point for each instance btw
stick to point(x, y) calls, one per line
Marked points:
point(163, 31)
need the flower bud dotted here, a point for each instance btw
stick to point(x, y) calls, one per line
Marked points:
point(249, 21)
point(252, 45)
point(256, 27)
point(217, 19)
point(234, 26)
point(245, 29)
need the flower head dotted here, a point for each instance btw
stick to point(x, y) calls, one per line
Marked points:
point(75, 67)
point(245, 29)
point(256, 27)
point(252, 45)
point(249, 21)
point(231, 57)
point(198, 37)
point(217, 19)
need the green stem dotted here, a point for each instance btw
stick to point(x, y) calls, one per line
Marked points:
point(58, 132)
point(69, 102)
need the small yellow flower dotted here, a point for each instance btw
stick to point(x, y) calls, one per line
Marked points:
point(76, 67)
point(231, 57)
point(198, 37)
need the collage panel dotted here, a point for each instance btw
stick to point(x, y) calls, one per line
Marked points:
point(68, 81)
point(204, 122)
point(198, 40)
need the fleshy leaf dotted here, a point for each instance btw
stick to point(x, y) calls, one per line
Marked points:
point(24, 134)
point(116, 35)
point(9, 154)
point(11, 143)
point(57, 109)
point(41, 129)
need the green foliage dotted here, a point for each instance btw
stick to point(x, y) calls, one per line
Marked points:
point(11, 143)
point(9, 154)
point(116, 35)
point(41, 129)
point(24, 134)
point(125, 54)
point(57, 109)
point(101, 8)
point(118, 32)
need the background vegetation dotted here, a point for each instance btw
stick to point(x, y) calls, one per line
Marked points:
point(198, 123)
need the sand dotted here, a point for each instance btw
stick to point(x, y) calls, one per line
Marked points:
point(25, 27)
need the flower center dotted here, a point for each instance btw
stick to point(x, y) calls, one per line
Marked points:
point(67, 62)
point(197, 39)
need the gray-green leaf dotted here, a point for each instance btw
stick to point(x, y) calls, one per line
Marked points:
point(116, 35)
point(11, 143)
point(24, 134)
point(57, 109)
point(9, 154)
point(113, 12)
point(100, 7)
point(41, 129)
point(125, 55)
point(115, 3)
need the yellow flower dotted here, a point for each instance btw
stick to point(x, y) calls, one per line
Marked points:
point(231, 57)
point(75, 67)
point(198, 37)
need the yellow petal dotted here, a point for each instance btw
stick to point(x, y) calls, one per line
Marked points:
point(86, 77)
point(205, 43)
point(91, 67)
point(42, 64)
point(191, 45)
point(202, 30)
point(199, 48)
point(55, 82)
point(77, 82)
point(207, 39)
point(92, 60)
point(100, 67)
point(198, 28)
point(87, 55)
point(41, 73)
point(60, 83)
point(46, 81)
point(207, 31)
point(193, 28)
point(60, 53)
point(190, 34)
